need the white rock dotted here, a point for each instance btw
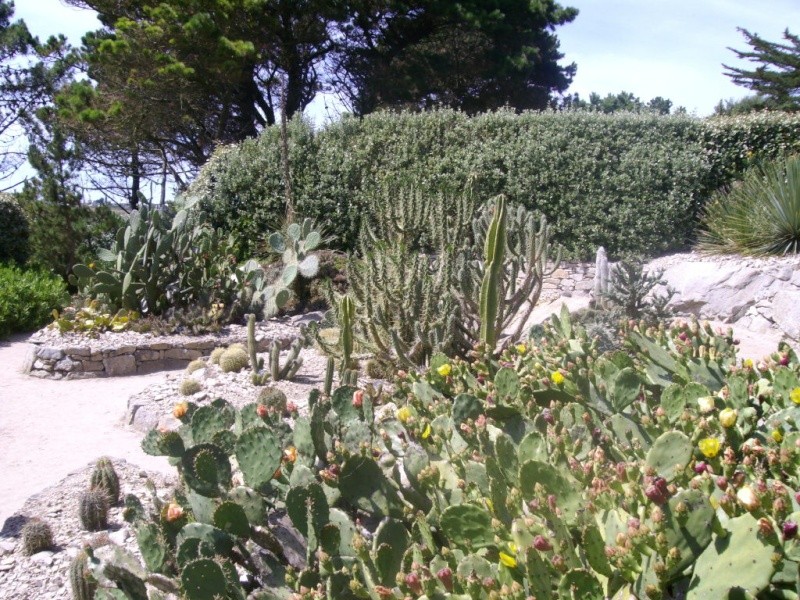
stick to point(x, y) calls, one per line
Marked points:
point(43, 558)
point(119, 536)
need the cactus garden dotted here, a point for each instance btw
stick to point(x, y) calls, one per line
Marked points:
point(665, 469)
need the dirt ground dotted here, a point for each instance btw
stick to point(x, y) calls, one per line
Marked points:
point(49, 429)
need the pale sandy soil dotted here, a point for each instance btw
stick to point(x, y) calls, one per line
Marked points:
point(51, 428)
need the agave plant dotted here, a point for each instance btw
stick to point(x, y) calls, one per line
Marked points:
point(758, 216)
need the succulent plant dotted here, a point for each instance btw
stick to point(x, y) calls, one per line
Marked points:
point(93, 509)
point(190, 386)
point(82, 583)
point(105, 477)
point(36, 536)
point(215, 355)
point(234, 359)
point(195, 365)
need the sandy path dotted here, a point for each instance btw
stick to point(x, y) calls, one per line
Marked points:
point(51, 428)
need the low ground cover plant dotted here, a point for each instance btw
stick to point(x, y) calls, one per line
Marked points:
point(663, 470)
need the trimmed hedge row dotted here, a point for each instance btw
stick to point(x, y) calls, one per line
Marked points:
point(629, 182)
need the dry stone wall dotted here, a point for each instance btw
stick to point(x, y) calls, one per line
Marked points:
point(73, 356)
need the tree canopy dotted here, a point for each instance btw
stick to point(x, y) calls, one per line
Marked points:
point(776, 79)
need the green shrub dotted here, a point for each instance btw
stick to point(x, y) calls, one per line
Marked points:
point(14, 231)
point(61, 236)
point(629, 182)
point(28, 298)
point(759, 215)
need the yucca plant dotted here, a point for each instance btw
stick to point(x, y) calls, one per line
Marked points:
point(757, 216)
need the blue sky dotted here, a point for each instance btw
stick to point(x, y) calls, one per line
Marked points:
point(669, 48)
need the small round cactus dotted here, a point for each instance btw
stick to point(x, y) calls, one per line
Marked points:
point(80, 577)
point(105, 477)
point(190, 386)
point(215, 354)
point(273, 398)
point(234, 359)
point(196, 365)
point(93, 509)
point(36, 536)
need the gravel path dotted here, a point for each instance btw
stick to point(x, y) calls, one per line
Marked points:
point(49, 429)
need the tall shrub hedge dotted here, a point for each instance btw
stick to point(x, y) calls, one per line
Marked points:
point(629, 182)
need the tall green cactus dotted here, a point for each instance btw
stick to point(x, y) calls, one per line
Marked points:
point(256, 363)
point(494, 250)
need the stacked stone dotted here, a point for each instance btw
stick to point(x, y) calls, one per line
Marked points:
point(570, 278)
point(72, 356)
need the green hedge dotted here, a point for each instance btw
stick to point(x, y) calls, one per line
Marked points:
point(27, 299)
point(629, 182)
point(14, 231)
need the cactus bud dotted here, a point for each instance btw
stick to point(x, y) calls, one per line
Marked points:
point(789, 530)
point(180, 409)
point(445, 575)
point(358, 398)
point(413, 582)
point(174, 512)
point(727, 417)
point(747, 498)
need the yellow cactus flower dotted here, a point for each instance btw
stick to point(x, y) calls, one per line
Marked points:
point(404, 414)
point(777, 435)
point(748, 363)
point(427, 432)
point(508, 560)
point(710, 447)
point(795, 395)
point(180, 409)
point(556, 378)
point(444, 370)
point(521, 348)
point(290, 454)
point(705, 404)
point(727, 417)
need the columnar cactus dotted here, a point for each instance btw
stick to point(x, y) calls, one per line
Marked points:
point(82, 583)
point(601, 277)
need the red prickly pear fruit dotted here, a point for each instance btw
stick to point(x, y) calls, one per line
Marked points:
point(358, 398)
point(701, 468)
point(658, 491)
point(262, 411)
point(789, 530)
point(413, 583)
point(445, 575)
point(541, 544)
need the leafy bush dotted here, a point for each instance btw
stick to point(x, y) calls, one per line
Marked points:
point(666, 471)
point(14, 231)
point(759, 215)
point(28, 298)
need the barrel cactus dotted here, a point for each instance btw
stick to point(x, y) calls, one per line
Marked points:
point(36, 536)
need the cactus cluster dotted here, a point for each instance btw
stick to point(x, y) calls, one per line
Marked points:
point(406, 305)
point(296, 247)
point(551, 470)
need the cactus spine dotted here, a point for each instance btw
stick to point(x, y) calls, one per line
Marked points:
point(36, 536)
point(80, 577)
point(105, 477)
point(493, 263)
point(93, 509)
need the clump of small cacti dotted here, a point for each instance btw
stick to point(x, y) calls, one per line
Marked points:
point(190, 386)
point(234, 359)
point(36, 536)
point(105, 477)
point(195, 365)
point(80, 577)
point(215, 354)
point(93, 509)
